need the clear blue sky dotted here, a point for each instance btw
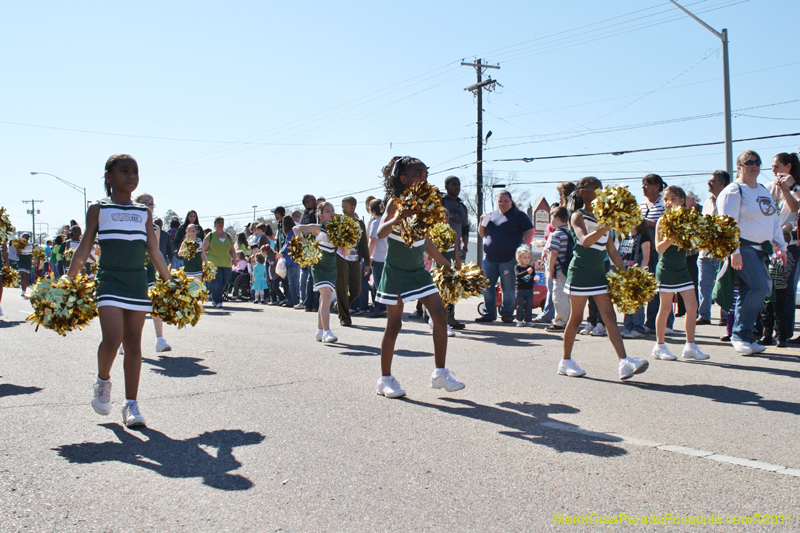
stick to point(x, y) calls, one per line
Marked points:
point(230, 105)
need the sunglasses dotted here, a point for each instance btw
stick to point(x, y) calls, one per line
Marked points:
point(752, 163)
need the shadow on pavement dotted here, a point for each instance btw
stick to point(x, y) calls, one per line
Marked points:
point(10, 323)
point(179, 367)
point(506, 337)
point(765, 369)
point(7, 389)
point(529, 421)
point(717, 393)
point(362, 350)
point(171, 458)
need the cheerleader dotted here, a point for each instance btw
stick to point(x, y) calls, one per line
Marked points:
point(324, 272)
point(125, 232)
point(25, 264)
point(672, 277)
point(586, 277)
point(4, 261)
point(405, 279)
point(193, 267)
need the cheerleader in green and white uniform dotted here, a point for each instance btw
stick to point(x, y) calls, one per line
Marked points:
point(405, 279)
point(324, 272)
point(125, 232)
point(25, 264)
point(586, 277)
point(194, 266)
point(672, 276)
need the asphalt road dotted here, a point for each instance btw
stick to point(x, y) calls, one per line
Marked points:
point(254, 426)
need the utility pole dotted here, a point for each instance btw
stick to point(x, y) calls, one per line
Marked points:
point(726, 75)
point(32, 211)
point(254, 212)
point(477, 90)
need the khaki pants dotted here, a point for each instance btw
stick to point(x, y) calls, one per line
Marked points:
point(560, 300)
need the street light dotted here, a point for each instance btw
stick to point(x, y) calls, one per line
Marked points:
point(76, 187)
point(723, 36)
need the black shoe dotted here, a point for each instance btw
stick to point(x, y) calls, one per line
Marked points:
point(679, 315)
point(507, 319)
point(377, 314)
point(553, 327)
point(457, 325)
point(704, 322)
point(485, 319)
point(725, 338)
point(765, 341)
point(724, 322)
point(781, 344)
point(795, 340)
point(346, 324)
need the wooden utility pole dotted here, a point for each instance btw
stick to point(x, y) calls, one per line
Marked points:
point(477, 90)
point(32, 212)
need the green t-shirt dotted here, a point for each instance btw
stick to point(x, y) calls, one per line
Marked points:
point(219, 252)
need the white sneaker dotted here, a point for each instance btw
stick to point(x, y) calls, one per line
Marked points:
point(101, 402)
point(328, 336)
point(441, 378)
point(635, 334)
point(691, 351)
point(757, 348)
point(130, 414)
point(630, 366)
point(599, 330)
point(744, 348)
point(450, 332)
point(668, 331)
point(587, 329)
point(320, 333)
point(568, 367)
point(162, 346)
point(520, 324)
point(389, 387)
point(663, 353)
point(430, 323)
point(529, 324)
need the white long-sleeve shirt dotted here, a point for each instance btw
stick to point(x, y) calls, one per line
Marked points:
point(754, 211)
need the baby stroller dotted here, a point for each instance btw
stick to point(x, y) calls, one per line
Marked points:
point(238, 287)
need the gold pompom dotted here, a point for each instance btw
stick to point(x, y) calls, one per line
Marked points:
point(39, 254)
point(685, 226)
point(631, 289)
point(209, 272)
point(19, 244)
point(443, 236)
point(458, 284)
point(10, 277)
point(617, 207)
point(424, 200)
point(7, 230)
point(190, 249)
point(343, 231)
point(93, 268)
point(146, 259)
point(721, 236)
point(63, 304)
point(68, 253)
point(305, 253)
point(178, 302)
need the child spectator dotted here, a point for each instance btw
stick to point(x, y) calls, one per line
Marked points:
point(776, 309)
point(635, 250)
point(259, 279)
point(560, 254)
point(524, 293)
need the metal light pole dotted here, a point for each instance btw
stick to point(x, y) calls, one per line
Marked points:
point(76, 187)
point(723, 36)
point(254, 212)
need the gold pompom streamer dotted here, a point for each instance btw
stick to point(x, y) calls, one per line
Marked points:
point(721, 236)
point(443, 236)
point(631, 289)
point(178, 302)
point(63, 304)
point(209, 272)
point(6, 228)
point(617, 207)
point(190, 249)
point(343, 231)
point(19, 244)
point(424, 200)
point(458, 284)
point(68, 253)
point(39, 254)
point(10, 277)
point(305, 253)
point(685, 226)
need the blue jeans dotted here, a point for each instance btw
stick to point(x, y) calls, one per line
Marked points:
point(549, 310)
point(635, 322)
point(312, 298)
point(655, 303)
point(293, 276)
point(177, 262)
point(363, 298)
point(524, 304)
point(377, 272)
point(707, 273)
point(755, 284)
point(504, 271)
point(218, 284)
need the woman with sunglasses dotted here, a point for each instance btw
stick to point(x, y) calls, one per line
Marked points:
point(751, 204)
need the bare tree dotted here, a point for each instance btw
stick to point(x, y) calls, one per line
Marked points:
point(490, 181)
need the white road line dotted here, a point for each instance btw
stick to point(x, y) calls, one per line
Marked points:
point(701, 454)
